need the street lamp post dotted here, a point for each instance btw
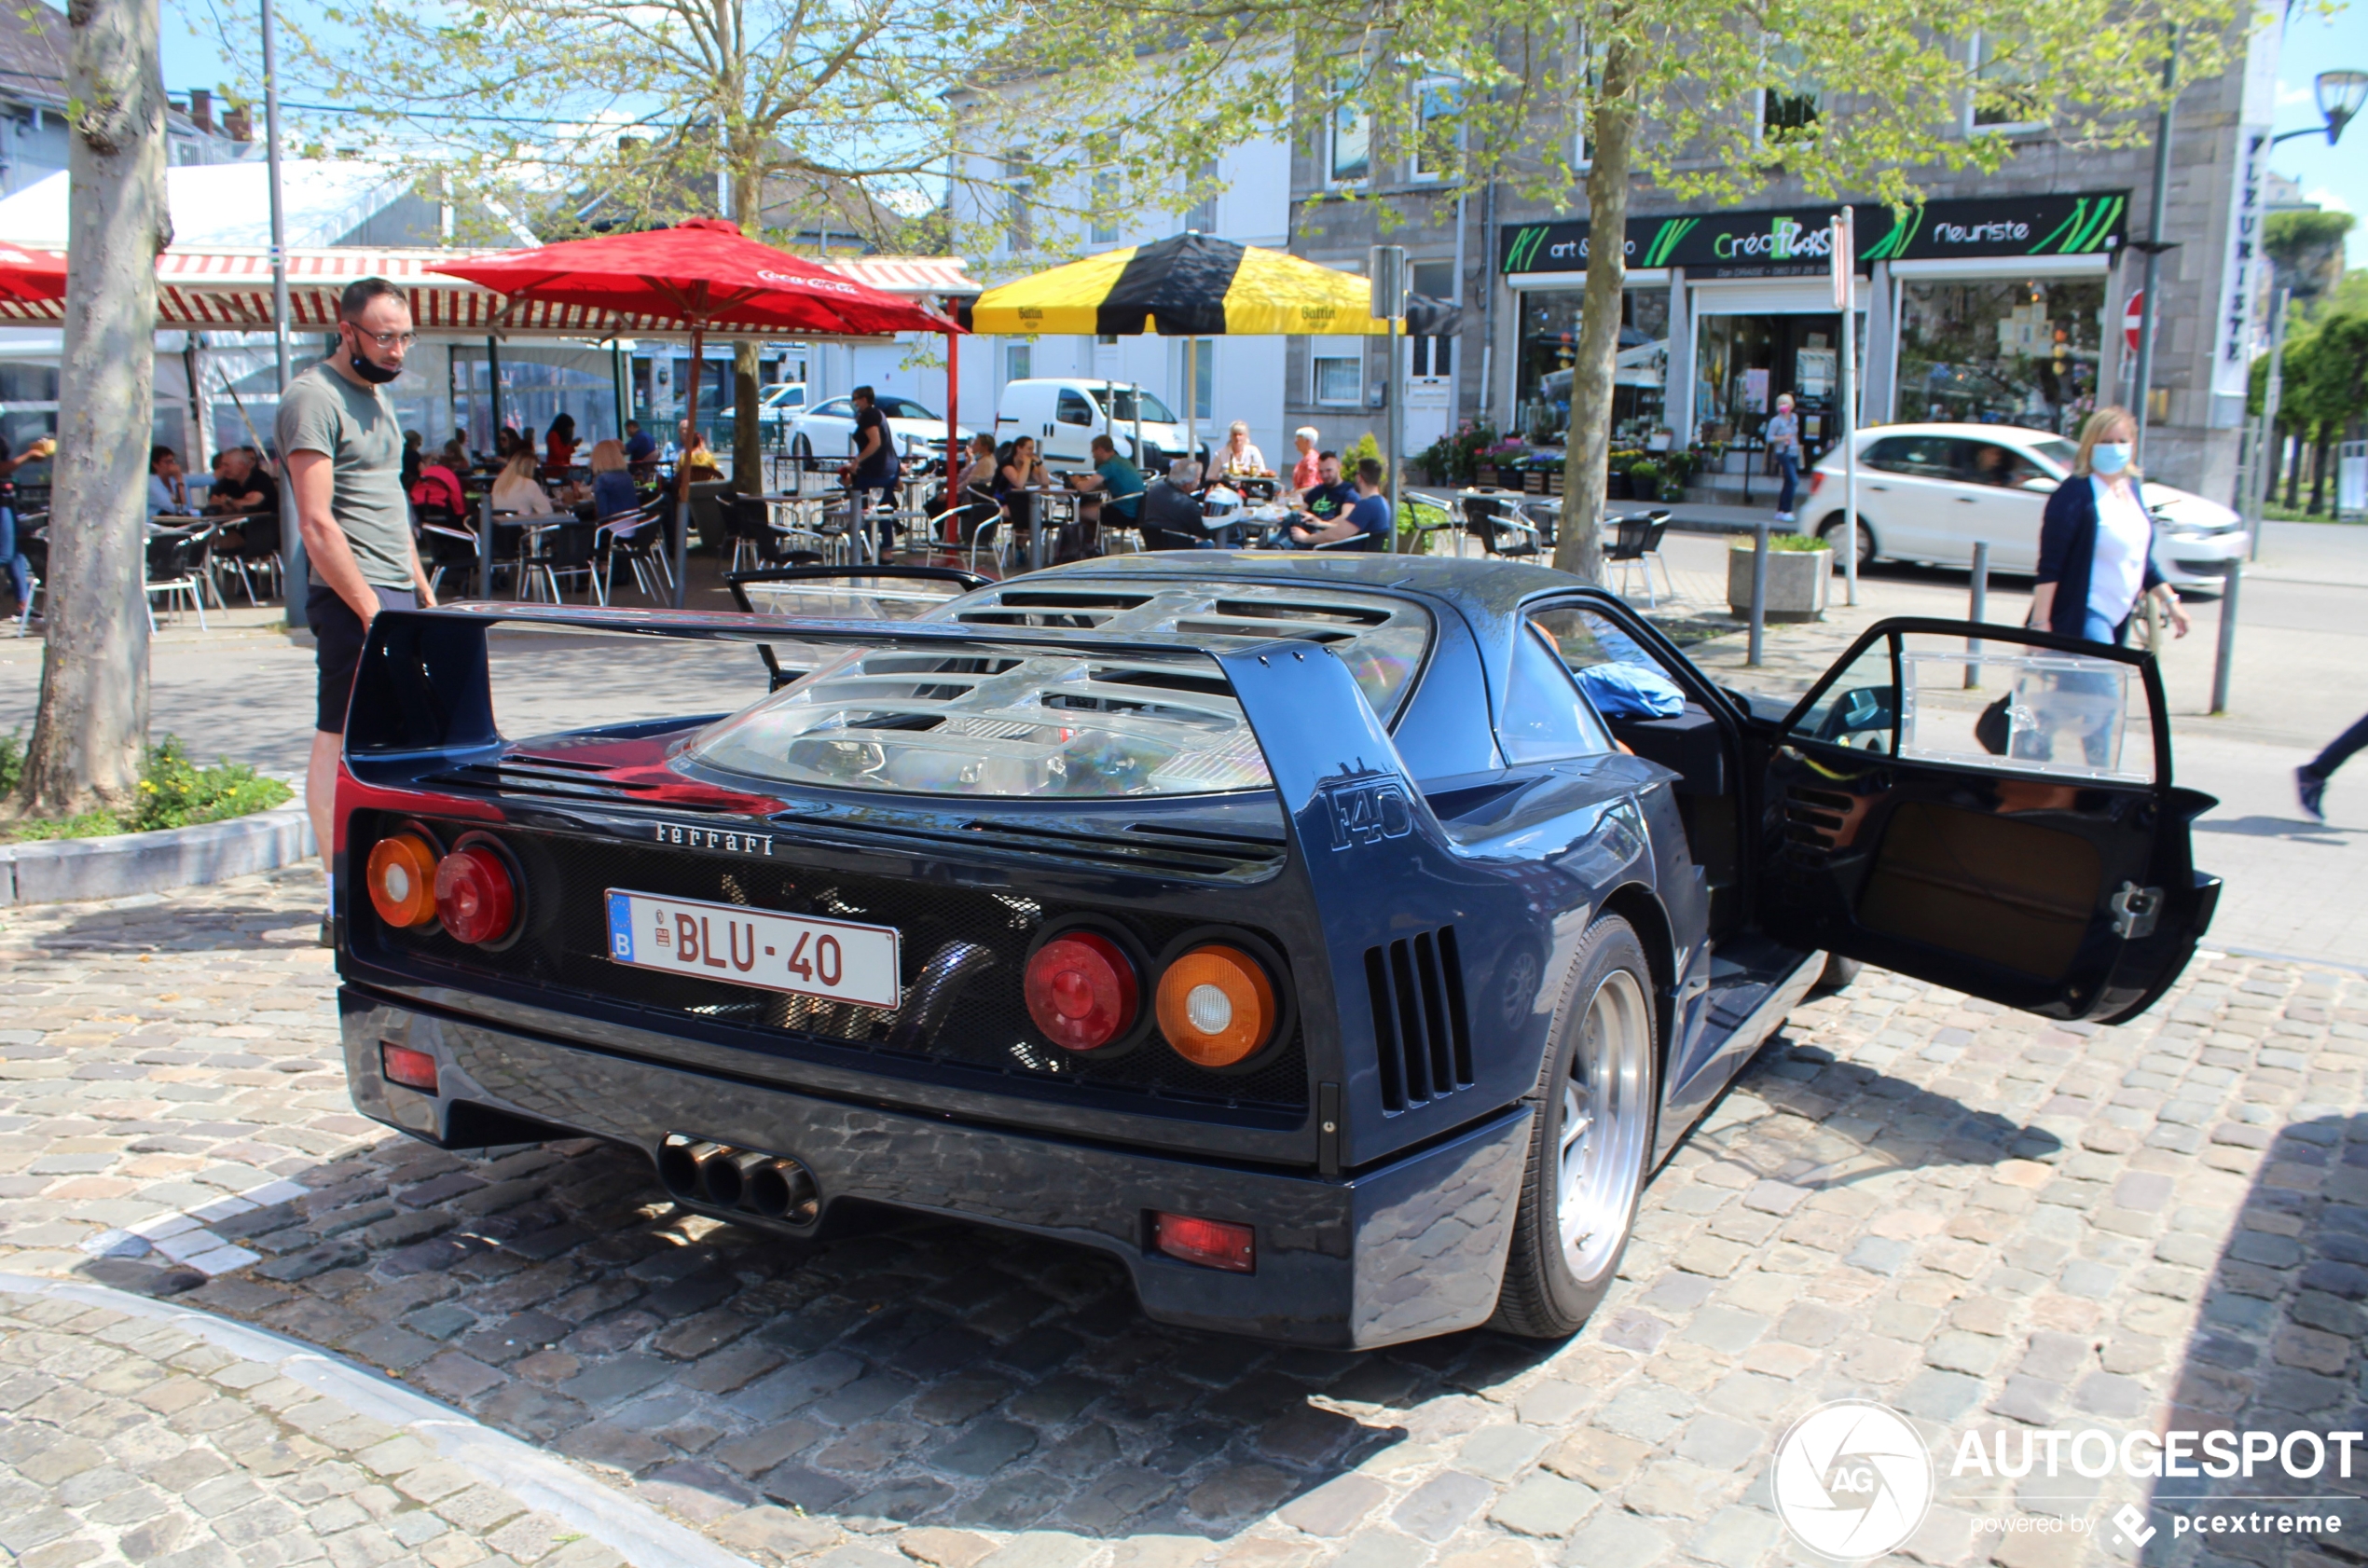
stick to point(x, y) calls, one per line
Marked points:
point(2341, 95)
point(2152, 246)
point(292, 539)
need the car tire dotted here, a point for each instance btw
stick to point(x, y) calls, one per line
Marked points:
point(1867, 553)
point(801, 448)
point(1584, 1179)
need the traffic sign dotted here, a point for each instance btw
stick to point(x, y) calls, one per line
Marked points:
point(2133, 318)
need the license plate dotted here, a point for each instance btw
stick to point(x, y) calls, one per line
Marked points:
point(835, 961)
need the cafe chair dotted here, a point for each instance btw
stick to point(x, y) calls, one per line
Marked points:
point(640, 537)
point(446, 546)
point(32, 544)
point(256, 557)
point(1636, 541)
point(1500, 528)
point(171, 573)
point(993, 536)
point(748, 523)
point(1426, 516)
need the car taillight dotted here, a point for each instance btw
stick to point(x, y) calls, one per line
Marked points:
point(413, 1069)
point(1213, 1243)
point(1082, 991)
point(474, 895)
point(401, 880)
point(1216, 1006)
point(1816, 479)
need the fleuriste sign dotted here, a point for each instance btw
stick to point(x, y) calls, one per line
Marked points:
point(1794, 241)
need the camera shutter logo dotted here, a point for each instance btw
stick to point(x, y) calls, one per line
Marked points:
point(1852, 1481)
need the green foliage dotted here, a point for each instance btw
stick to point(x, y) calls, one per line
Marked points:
point(1788, 543)
point(174, 793)
point(1357, 451)
point(1452, 459)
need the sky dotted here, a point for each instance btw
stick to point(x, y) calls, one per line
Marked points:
point(2335, 177)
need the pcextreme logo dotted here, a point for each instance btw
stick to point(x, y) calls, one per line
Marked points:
point(1852, 1481)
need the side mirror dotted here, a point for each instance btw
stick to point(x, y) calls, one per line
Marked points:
point(1860, 715)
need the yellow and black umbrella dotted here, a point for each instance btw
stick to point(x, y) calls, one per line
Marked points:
point(1191, 285)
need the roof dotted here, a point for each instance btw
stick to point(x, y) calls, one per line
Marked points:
point(225, 204)
point(228, 289)
point(33, 45)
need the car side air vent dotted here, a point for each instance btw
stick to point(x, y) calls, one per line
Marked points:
point(1814, 818)
point(1420, 1031)
point(549, 784)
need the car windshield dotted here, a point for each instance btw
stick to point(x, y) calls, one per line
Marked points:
point(994, 719)
point(903, 408)
point(1122, 402)
point(2057, 452)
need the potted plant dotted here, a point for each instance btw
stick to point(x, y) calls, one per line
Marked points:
point(1645, 479)
point(1799, 570)
point(1489, 469)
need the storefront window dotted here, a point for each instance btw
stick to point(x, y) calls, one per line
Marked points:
point(2021, 353)
point(1549, 347)
point(1744, 363)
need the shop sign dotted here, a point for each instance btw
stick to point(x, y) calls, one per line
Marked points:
point(1795, 242)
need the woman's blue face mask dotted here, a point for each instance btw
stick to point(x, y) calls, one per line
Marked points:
point(2109, 457)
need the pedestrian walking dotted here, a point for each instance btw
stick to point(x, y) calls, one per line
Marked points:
point(874, 467)
point(1782, 434)
point(2310, 779)
point(2097, 540)
point(341, 448)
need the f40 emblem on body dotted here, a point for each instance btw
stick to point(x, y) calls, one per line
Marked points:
point(1367, 809)
point(713, 838)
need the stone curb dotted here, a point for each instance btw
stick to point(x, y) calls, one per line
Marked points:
point(635, 1532)
point(69, 870)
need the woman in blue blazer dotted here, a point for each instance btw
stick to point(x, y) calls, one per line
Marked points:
point(2096, 544)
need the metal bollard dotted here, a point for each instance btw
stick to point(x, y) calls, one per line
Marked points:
point(1980, 612)
point(1759, 590)
point(2226, 655)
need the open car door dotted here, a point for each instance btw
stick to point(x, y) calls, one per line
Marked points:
point(1991, 809)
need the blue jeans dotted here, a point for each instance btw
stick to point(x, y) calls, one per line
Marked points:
point(2096, 628)
point(19, 570)
point(1789, 465)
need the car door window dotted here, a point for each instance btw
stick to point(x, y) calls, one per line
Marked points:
point(1619, 677)
point(1073, 409)
point(1987, 462)
point(837, 408)
point(1546, 719)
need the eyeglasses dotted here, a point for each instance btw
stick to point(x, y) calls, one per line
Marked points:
point(387, 339)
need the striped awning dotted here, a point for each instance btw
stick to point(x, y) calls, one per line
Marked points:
point(230, 291)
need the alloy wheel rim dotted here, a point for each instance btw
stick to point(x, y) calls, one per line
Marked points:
point(1601, 1163)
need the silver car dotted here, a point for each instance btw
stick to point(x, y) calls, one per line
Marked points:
point(1931, 492)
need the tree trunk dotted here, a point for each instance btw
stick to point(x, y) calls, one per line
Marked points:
point(1578, 546)
point(93, 718)
point(748, 441)
point(2318, 470)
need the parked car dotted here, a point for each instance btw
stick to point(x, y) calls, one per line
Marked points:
point(779, 400)
point(827, 430)
point(1338, 943)
point(1930, 493)
point(1064, 416)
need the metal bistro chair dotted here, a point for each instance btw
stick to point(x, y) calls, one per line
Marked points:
point(1636, 541)
point(171, 573)
point(1500, 528)
point(642, 538)
point(553, 550)
point(446, 544)
point(256, 555)
point(748, 523)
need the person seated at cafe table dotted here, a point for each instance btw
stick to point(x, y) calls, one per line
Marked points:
point(641, 446)
point(559, 443)
point(1238, 459)
point(1331, 495)
point(517, 490)
point(168, 491)
point(696, 465)
point(1115, 487)
point(612, 490)
point(1307, 469)
point(239, 484)
point(1171, 510)
point(1370, 515)
point(1016, 468)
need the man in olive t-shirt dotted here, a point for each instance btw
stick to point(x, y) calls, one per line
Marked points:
point(342, 451)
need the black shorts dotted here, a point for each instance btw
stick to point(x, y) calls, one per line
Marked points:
point(336, 634)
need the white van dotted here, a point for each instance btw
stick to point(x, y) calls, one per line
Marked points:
point(1064, 416)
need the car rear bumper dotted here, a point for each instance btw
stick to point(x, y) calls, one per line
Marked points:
point(1412, 1248)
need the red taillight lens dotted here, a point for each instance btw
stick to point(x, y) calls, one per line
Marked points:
point(1816, 479)
point(1082, 991)
point(413, 1069)
point(1213, 1243)
point(401, 880)
point(474, 895)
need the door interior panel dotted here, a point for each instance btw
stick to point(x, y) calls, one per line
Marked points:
point(2010, 893)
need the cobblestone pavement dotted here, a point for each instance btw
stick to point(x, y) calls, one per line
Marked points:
point(1985, 1220)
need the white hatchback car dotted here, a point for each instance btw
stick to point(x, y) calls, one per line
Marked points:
point(827, 430)
point(1931, 492)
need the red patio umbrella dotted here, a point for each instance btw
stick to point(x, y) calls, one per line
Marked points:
point(703, 273)
point(31, 275)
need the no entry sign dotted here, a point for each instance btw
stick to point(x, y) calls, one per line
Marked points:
point(2132, 317)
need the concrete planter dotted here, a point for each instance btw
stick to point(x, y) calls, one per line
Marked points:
point(1796, 583)
point(66, 870)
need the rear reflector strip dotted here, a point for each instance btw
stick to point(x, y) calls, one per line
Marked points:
point(413, 1069)
point(1212, 1243)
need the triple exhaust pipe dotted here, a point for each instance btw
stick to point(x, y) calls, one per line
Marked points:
point(718, 1175)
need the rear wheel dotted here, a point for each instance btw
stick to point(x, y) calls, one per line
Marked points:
point(1591, 1140)
point(801, 448)
point(1831, 531)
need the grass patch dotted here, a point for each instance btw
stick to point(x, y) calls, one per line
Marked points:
point(174, 793)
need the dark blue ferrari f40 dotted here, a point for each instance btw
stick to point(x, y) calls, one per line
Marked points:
point(1339, 943)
